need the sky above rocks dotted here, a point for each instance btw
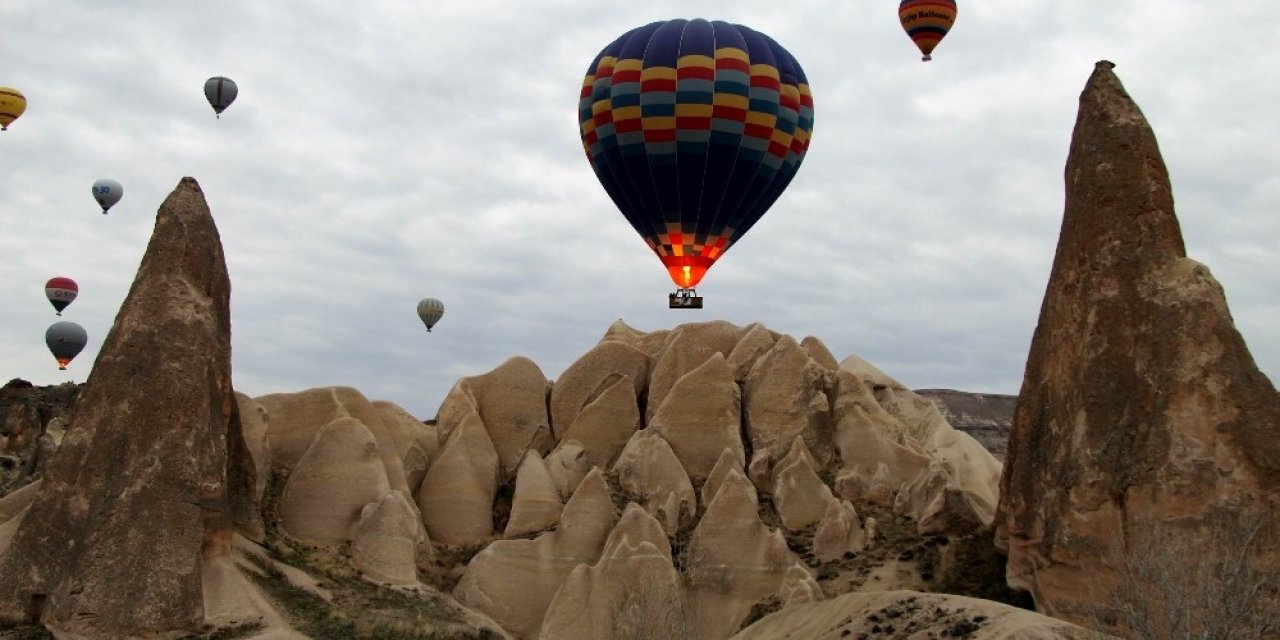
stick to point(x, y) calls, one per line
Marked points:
point(379, 155)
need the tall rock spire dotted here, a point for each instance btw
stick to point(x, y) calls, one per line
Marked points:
point(1141, 406)
point(152, 473)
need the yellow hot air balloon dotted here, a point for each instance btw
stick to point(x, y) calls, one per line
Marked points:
point(12, 104)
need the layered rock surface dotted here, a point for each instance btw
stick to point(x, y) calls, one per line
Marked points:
point(154, 439)
point(1142, 414)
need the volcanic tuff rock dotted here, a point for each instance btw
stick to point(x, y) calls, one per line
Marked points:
point(987, 417)
point(701, 417)
point(910, 615)
point(25, 412)
point(536, 503)
point(386, 541)
point(1141, 413)
point(457, 495)
point(511, 400)
point(339, 474)
point(155, 439)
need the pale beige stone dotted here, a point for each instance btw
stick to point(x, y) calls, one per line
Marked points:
point(632, 592)
point(511, 400)
point(756, 342)
point(536, 505)
point(514, 581)
point(605, 424)
point(456, 498)
point(253, 428)
point(386, 541)
point(567, 466)
point(799, 494)
point(726, 463)
point(592, 375)
point(734, 560)
point(688, 347)
point(651, 343)
point(786, 396)
point(701, 417)
point(416, 464)
point(649, 470)
point(839, 532)
point(293, 419)
point(819, 352)
point(799, 587)
point(930, 615)
point(338, 475)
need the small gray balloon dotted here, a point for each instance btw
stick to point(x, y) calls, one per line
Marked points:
point(220, 92)
point(65, 341)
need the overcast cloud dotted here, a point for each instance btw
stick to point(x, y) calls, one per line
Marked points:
point(383, 152)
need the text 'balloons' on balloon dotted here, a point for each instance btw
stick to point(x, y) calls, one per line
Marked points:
point(12, 105)
point(694, 128)
point(927, 22)
point(65, 341)
point(107, 192)
point(220, 92)
point(61, 292)
point(430, 310)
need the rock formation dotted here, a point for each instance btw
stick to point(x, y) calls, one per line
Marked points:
point(511, 401)
point(536, 503)
point(339, 474)
point(386, 541)
point(987, 417)
point(701, 416)
point(514, 581)
point(1141, 413)
point(457, 494)
point(909, 614)
point(154, 439)
point(648, 470)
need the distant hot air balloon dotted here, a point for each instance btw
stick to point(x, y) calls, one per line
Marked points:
point(65, 340)
point(220, 92)
point(12, 104)
point(927, 22)
point(61, 292)
point(430, 311)
point(694, 128)
point(107, 192)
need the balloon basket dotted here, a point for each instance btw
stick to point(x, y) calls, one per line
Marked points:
point(684, 299)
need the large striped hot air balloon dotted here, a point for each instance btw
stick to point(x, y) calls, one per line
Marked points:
point(694, 128)
point(927, 22)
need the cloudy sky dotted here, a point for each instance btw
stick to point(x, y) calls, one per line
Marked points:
point(384, 152)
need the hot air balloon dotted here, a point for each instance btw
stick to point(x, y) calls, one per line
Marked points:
point(927, 22)
point(61, 292)
point(220, 92)
point(65, 340)
point(107, 192)
point(12, 104)
point(430, 311)
point(694, 128)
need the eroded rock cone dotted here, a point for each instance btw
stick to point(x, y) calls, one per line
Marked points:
point(153, 467)
point(1141, 409)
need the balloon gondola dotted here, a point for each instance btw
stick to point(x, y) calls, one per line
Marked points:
point(694, 128)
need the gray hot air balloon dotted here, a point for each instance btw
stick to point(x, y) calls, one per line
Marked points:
point(107, 192)
point(220, 92)
point(65, 340)
point(430, 310)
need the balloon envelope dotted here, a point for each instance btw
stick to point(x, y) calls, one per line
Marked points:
point(61, 292)
point(927, 22)
point(12, 104)
point(107, 192)
point(694, 128)
point(430, 311)
point(65, 341)
point(220, 92)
